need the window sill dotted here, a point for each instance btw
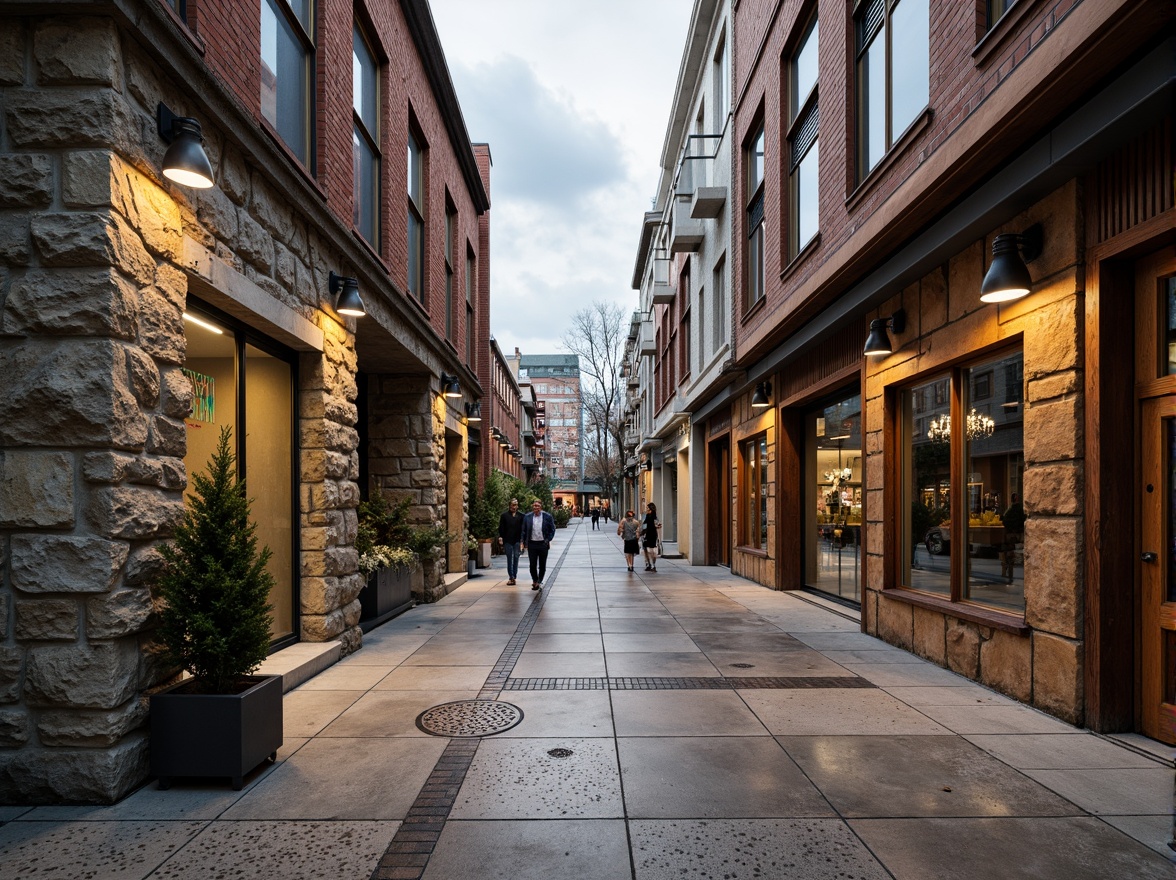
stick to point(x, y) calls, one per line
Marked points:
point(278, 142)
point(992, 41)
point(193, 37)
point(801, 256)
point(753, 551)
point(367, 246)
point(921, 123)
point(1001, 620)
point(758, 305)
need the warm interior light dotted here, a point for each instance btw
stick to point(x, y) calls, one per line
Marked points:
point(199, 323)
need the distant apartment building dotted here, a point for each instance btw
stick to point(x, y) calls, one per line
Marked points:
point(555, 379)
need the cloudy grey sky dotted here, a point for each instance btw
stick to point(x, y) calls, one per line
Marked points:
point(573, 97)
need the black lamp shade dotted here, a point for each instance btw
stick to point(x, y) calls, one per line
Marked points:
point(474, 411)
point(350, 302)
point(878, 342)
point(763, 395)
point(185, 161)
point(1008, 277)
point(450, 387)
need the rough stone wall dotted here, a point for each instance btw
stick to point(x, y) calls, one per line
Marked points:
point(92, 436)
point(946, 322)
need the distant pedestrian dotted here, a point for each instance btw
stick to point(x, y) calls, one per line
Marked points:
point(650, 536)
point(628, 529)
point(595, 517)
point(510, 533)
point(538, 532)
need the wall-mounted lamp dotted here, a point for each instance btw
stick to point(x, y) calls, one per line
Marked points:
point(450, 386)
point(185, 161)
point(878, 342)
point(1008, 277)
point(763, 395)
point(474, 411)
point(347, 291)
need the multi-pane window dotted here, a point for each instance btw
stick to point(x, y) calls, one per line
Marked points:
point(892, 49)
point(996, 9)
point(450, 229)
point(365, 138)
point(287, 71)
point(719, 295)
point(470, 279)
point(803, 149)
point(719, 85)
point(965, 527)
point(416, 218)
point(755, 493)
point(755, 218)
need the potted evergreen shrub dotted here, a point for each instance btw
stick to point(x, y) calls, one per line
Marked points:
point(215, 625)
point(383, 557)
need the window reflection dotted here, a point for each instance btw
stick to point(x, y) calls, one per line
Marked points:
point(833, 466)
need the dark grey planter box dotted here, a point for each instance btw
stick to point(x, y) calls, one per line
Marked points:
point(215, 734)
point(387, 590)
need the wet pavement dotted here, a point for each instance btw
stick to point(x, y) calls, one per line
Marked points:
point(683, 723)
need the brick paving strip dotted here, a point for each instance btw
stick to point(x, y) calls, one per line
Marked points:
point(408, 854)
point(685, 684)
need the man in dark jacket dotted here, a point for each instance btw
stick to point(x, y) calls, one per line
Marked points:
point(510, 533)
point(538, 531)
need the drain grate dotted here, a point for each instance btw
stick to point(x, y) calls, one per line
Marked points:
point(469, 718)
point(560, 753)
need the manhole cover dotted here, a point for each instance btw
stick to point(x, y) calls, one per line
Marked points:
point(560, 753)
point(743, 665)
point(469, 718)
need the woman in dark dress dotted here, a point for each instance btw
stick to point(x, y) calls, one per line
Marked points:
point(650, 526)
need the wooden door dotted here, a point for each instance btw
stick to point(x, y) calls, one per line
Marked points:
point(1155, 286)
point(719, 504)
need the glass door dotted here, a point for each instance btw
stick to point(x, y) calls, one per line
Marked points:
point(833, 465)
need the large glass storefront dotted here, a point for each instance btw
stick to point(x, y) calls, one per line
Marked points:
point(247, 383)
point(833, 510)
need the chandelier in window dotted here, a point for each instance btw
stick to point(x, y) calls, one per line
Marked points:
point(980, 426)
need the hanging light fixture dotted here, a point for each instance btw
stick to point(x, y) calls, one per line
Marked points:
point(1008, 277)
point(346, 290)
point(980, 427)
point(474, 411)
point(185, 161)
point(878, 342)
point(763, 396)
point(450, 386)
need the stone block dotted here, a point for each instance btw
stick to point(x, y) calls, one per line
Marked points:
point(26, 181)
point(12, 53)
point(351, 614)
point(151, 210)
point(176, 393)
point(121, 613)
point(11, 669)
point(92, 238)
point(71, 302)
point(14, 728)
point(930, 631)
point(323, 627)
point(144, 566)
point(167, 437)
point(96, 676)
point(1055, 489)
point(1053, 575)
point(86, 776)
point(253, 242)
point(963, 648)
point(88, 180)
point(36, 490)
point(70, 51)
point(46, 620)
point(234, 176)
point(75, 391)
point(65, 563)
point(1006, 664)
point(15, 248)
point(1053, 431)
point(161, 327)
point(351, 586)
point(1055, 385)
point(1053, 339)
point(134, 512)
point(320, 595)
point(896, 623)
point(270, 210)
point(1057, 676)
point(88, 728)
point(144, 377)
point(70, 119)
point(217, 213)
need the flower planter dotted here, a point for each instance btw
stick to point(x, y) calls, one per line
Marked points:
point(387, 589)
point(484, 554)
point(215, 734)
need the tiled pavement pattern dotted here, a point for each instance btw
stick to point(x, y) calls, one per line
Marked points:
point(910, 772)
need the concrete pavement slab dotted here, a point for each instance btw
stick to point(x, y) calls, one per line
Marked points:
point(521, 850)
point(435, 678)
point(554, 643)
point(97, 850)
point(683, 713)
point(1120, 792)
point(391, 713)
point(660, 665)
point(566, 624)
point(305, 712)
point(819, 712)
point(785, 664)
point(678, 643)
point(561, 713)
point(1154, 832)
point(582, 664)
point(983, 718)
point(662, 624)
point(1063, 751)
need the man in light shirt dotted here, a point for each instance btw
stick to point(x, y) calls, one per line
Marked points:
point(538, 531)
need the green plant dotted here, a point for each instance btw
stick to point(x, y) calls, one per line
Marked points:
point(487, 503)
point(384, 556)
point(216, 618)
point(923, 518)
point(562, 514)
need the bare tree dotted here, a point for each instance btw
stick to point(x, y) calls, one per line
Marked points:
point(597, 337)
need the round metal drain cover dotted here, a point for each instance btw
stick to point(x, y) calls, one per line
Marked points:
point(560, 753)
point(743, 665)
point(469, 718)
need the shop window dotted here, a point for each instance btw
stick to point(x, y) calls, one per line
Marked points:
point(287, 72)
point(416, 219)
point(365, 138)
point(804, 150)
point(892, 72)
point(248, 384)
point(754, 521)
point(754, 161)
point(833, 465)
point(964, 525)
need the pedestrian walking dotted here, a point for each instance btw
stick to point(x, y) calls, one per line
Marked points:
point(510, 533)
point(628, 529)
point(595, 518)
point(538, 532)
point(651, 536)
